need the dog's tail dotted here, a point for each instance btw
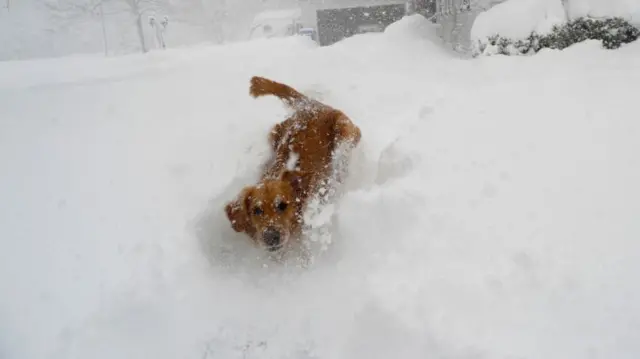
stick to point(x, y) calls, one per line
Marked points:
point(261, 86)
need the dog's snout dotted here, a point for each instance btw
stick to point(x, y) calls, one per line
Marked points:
point(272, 238)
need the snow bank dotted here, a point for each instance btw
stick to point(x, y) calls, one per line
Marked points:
point(628, 9)
point(477, 222)
point(516, 19)
point(412, 28)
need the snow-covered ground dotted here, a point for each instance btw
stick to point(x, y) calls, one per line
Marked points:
point(492, 211)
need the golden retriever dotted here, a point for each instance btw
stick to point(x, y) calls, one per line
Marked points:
point(271, 212)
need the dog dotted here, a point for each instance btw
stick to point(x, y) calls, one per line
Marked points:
point(301, 164)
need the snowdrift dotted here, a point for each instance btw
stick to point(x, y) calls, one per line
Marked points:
point(517, 19)
point(492, 210)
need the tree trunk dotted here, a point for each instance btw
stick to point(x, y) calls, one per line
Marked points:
point(104, 30)
point(567, 13)
point(141, 32)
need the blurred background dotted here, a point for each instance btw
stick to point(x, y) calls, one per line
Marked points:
point(51, 28)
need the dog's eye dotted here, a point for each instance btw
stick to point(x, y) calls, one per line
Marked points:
point(257, 211)
point(282, 206)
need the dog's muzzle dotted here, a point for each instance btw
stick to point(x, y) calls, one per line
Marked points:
point(272, 238)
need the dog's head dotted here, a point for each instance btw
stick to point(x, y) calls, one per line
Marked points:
point(267, 212)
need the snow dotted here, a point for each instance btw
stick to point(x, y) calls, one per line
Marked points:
point(628, 9)
point(516, 19)
point(283, 14)
point(491, 211)
point(281, 23)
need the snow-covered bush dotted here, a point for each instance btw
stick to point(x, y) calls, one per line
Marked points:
point(613, 32)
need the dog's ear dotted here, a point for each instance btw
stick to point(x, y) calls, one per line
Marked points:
point(246, 202)
point(238, 213)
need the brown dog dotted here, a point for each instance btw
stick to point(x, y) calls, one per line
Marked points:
point(271, 212)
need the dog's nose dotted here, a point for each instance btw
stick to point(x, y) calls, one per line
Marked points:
point(271, 238)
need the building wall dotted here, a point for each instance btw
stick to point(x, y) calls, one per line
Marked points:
point(336, 24)
point(338, 4)
point(310, 7)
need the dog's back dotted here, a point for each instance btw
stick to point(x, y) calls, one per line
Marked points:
point(307, 139)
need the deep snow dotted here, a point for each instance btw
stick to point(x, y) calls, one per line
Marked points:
point(517, 19)
point(492, 211)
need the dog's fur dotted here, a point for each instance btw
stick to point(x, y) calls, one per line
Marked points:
point(271, 212)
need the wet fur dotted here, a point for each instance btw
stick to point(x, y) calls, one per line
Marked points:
point(302, 160)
